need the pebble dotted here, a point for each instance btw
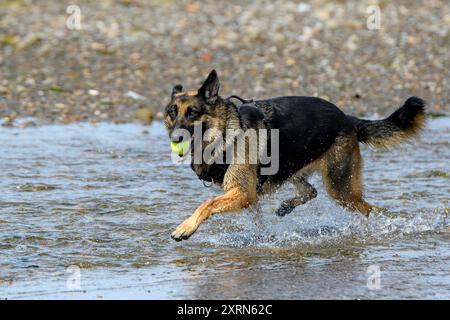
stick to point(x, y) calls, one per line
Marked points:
point(145, 115)
point(4, 90)
point(93, 92)
point(135, 96)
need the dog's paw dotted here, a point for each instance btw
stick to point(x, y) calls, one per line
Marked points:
point(185, 230)
point(284, 209)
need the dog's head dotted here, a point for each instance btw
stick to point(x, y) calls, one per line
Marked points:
point(189, 107)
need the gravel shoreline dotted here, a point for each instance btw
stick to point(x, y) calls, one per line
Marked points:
point(120, 66)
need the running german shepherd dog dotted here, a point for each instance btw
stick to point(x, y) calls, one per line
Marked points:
point(314, 136)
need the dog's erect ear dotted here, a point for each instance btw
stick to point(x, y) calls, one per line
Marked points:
point(210, 88)
point(177, 89)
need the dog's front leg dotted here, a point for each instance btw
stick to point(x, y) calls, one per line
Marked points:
point(233, 200)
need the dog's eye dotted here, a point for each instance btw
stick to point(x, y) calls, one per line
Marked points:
point(192, 113)
point(172, 111)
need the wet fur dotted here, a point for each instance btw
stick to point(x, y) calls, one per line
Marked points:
point(314, 136)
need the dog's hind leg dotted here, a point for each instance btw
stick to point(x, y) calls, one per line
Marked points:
point(305, 192)
point(341, 171)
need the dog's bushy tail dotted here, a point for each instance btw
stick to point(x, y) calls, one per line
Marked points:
point(404, 124)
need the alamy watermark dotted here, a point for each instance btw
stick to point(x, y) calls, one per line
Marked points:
point(235, 146)
point(373, 21)
point(73, 281)
point(73, 21)
point(374, 277)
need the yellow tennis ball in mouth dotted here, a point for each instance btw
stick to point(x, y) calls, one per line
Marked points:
point(180, 148)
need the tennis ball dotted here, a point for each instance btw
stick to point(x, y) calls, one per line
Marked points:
point(180, 148)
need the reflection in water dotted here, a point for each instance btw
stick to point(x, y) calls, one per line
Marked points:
point(106, 198)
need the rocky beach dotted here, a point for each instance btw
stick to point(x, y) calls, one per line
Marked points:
point(120, 62)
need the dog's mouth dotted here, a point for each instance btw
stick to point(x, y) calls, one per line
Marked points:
point(187, 143)
point(180, 148)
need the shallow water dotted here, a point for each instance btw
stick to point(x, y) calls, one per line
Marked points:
point(105, 198)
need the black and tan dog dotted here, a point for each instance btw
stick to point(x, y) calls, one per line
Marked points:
point(314, 136)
